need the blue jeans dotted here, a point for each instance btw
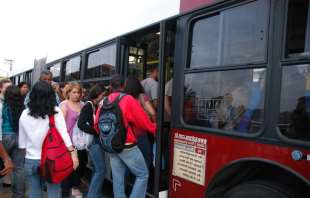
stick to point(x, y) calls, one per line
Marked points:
point(10, 143)
point(98, 158)
point(35, 182)
point(133, 160)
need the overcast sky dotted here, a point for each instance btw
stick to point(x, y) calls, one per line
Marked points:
point(32, 29)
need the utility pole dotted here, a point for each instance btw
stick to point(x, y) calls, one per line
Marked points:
point(10, 62)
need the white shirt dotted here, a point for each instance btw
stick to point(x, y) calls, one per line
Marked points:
point(150, 87)
point(32, 132)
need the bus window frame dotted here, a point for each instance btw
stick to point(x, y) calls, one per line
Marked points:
point(187, 39)
point(287, 62)
point(64, 67)
point(96, 49)
point(213, 12)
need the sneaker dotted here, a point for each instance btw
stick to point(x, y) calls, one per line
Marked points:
point(76, 193)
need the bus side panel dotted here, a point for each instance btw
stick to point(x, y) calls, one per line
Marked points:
point(187, 5)
point(192, 153)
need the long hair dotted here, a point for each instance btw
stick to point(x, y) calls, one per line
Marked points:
point(133, 87)
point(42, 100)
point(14, 100)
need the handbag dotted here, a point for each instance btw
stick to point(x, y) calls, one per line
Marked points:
point(80, 139)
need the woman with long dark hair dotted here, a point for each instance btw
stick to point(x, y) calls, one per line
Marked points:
point(96, 153)
point(11, 111)
point(33, 127)
point(135, 89)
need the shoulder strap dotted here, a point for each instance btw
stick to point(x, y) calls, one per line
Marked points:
point(52, 121)
point(92, 105)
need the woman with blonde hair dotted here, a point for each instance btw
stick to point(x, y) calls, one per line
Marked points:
point(71, 108)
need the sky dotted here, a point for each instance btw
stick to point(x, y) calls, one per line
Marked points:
point(55, 28)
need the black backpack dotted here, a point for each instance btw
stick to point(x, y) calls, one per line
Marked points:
point(112, 132)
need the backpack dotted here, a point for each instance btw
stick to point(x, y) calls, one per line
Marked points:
point(56, 163)
point(112, 132)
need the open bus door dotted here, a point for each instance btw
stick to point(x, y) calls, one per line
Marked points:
point(153, 45)
point(166, 65)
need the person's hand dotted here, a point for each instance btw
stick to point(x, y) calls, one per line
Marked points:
point(75, 159)
point(8, 167)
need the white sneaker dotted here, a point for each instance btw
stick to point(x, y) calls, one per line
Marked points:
point(76, 193)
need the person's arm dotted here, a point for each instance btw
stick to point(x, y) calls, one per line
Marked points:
point(62, 128)
point(63, 108)
point(137, 116)
point(85, 121)
point(168, 105)
point(154, 94)
point(1, 105)
point(8, 165)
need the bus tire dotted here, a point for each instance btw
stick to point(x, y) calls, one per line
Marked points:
point(260, 189)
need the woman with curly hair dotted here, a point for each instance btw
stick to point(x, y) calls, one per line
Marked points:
point(11, 111)
point(71, 108)
point(33, 127)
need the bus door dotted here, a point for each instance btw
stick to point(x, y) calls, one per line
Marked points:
point(142, 50)
point(164, 116)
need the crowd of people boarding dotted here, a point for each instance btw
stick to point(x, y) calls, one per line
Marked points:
point(25, 120)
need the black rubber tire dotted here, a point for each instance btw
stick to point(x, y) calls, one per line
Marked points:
point(260, 189)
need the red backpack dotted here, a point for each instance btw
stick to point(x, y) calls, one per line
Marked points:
point(56, 163)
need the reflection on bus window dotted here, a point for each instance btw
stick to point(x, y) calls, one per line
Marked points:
point(55, 69)
point(298, 29)
point(228, 100)
point(294, 120)
point(73, 69)
point(102, 62)
point(234, 36)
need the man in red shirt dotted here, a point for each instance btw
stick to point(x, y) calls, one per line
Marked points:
point(131, 157)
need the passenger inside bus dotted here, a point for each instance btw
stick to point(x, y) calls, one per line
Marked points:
point(294, 115)
point(232, 100)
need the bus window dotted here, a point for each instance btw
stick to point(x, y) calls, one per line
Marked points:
point(136, 62)
point(294, 120)
point(230, 100)
point(234, 36)
point(55, 69)
point(101, 63)
point(298, 29)
point(73, 69)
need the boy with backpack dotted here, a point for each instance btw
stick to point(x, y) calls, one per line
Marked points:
point(116, 120)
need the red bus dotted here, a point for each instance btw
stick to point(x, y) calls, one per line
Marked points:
point(241, 123)
point(240, 102)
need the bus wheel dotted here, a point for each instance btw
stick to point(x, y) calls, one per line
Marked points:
point(260, 189)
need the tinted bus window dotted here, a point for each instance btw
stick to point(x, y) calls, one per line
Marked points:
point(102, 62)
point(298, 29)
point(55, 69)
point(294, 120)
point(73, 69)
point(229, 100)
point(234, 36)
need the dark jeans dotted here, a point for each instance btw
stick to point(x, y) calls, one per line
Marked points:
point(10, 143)
point(74, 180)
point(145, 147)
